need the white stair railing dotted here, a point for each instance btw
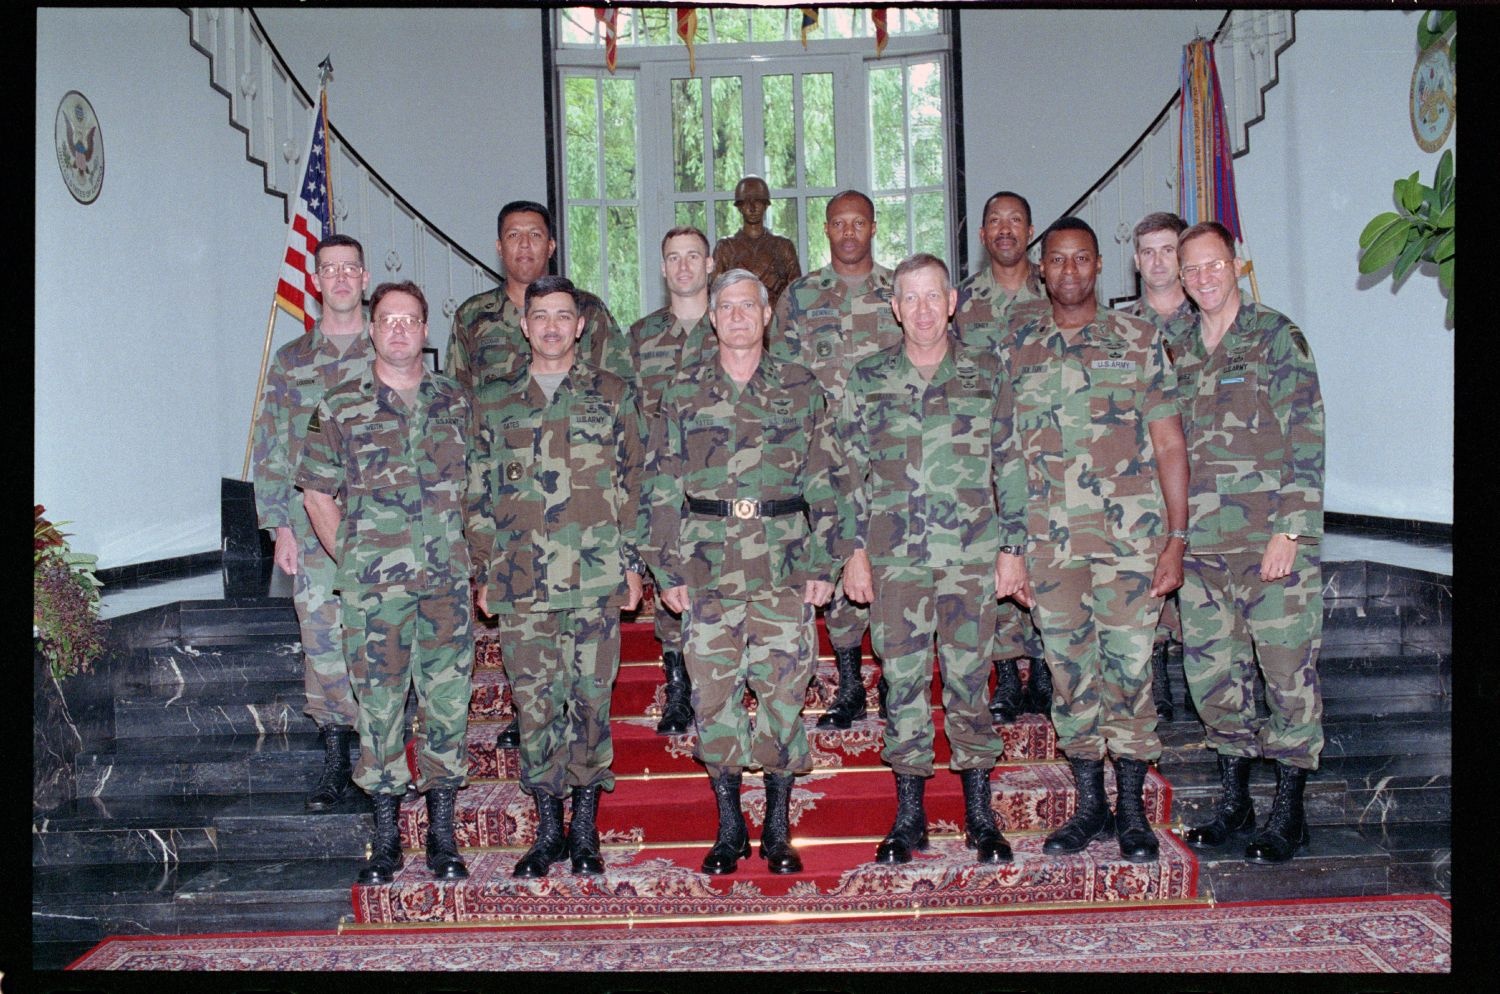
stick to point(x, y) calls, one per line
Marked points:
point(1145, 178)
point(273, 110)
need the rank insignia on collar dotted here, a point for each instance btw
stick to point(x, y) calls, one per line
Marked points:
point(512, 471)
point(315, 423)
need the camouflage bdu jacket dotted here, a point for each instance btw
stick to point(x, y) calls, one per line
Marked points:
point(302, 371)
point(924, 458)
point(555, 507)
point(1173, 327)
point(401, 477)
point(659, 354)
point(1080, 468)
point(826, 325)
point(775, 441)
point(1253, 416)
point(982, 317)
point(487, 342)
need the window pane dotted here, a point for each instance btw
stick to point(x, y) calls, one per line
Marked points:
point(727, 220)
point(729, 132)
point(768, 24)
point(729, 25)
point(582, 151)
point(578, 26)
point(781, 217)
point(780, 132)
point(687, 134)
point(691, 212)
point(654, 25)
point(931, 234)
point(619, 139)
point(837, 23)
point(887, 129)
point(624, 266)
point(926, 114)
point(915, 19)
point(818, 254)
point(583, 248)
point(890, 230)
point(817, 129)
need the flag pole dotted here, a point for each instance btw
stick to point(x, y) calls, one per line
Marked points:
point(320, 121)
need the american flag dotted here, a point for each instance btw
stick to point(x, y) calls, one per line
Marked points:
point(297, 290)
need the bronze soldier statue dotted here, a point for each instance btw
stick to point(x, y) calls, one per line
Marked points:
point(768, 255)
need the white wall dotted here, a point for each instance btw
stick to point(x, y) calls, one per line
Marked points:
point(149, 312)
point(445, 104)
point(1028, 75)
point(1320, 167)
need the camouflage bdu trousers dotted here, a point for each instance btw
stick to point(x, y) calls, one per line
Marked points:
point(1015, 632)
point(397, 640)
point(325, 674)
point(1231, 619)
point(562, 666)
point(768, 645)
point(955, 605)
point(1097, 618)
point(847, 621)
point(667, 625)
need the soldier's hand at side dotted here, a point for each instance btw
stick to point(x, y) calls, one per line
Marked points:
point(1011, 579)
point(859, 582)
point(817, 592)
point(1276, 563)
point(1168, 574)
point(676, 598)
point(634, 588)
point(286, 550)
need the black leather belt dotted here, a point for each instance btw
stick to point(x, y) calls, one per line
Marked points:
point(746, 507)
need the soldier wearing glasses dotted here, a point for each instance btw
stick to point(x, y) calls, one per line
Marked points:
point(301, 373)
point(1252, 591)
point(384, 479)
point(744, 523)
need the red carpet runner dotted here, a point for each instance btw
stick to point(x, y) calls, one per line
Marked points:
point(660, 820)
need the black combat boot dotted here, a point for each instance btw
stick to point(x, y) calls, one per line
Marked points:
point(677, 713)
point(510, 735)
point(583, 831)
point(1038, 689)
point(849, 701)
point(910, 829)
point(1132, 828)
point(385, 848)
point(775, 835)
point(1092, 819)
point(980, 830)
point(881, 689)
point(1285, 830)
point(333, 783)
point(442, 851)
point(550, 844)
point(1005, 703)
point(733, 841)
point(1161, 684)
point(1235, 811)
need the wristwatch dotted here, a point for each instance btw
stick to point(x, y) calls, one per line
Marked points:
point(1181, 533)
point(1290, 535)
point(1013, 550)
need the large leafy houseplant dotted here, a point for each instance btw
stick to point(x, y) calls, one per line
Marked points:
point(1421, 228)
point(65, 602)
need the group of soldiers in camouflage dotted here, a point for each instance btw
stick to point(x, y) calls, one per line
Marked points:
point(1001, 471)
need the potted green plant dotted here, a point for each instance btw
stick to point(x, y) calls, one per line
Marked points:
point(65, 602)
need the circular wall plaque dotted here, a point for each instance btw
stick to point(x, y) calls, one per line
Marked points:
point(80, 147)
point(1434, 98)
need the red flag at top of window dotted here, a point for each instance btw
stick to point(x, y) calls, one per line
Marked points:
point(609, 17)
point(687, 28)
point(882, 33)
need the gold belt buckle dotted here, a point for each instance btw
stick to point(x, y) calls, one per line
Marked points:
point(745, 507)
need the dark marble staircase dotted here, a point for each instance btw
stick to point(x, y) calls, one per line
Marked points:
point(193, 757)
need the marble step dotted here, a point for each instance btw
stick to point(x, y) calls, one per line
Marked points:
point(1338, 862)
point(1375, 734)
point(230, 621)
point(185, 766)
point(1421, 855)
point(224, 709)
point(1354, 790)
point(193, 670)
point(77, 903)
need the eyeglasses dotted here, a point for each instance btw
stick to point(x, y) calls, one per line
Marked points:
point(331, 269)
point(406, 322)
point(1208, 269)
